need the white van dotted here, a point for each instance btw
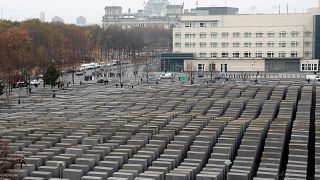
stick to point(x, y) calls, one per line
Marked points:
point(166, 76)
point(313, 77)
point(84, 67)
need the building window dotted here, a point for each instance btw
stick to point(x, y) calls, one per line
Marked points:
point(282, 44)
point(307, 54)
point(212, 67)
point(188, 24)
point(178, 35)
point(177, 45)
point(203, 44)
point(258, 54)
point(203, 35)
point(190, 45)
point(203, 55)
point(247, 54)
point(214, 35)
point(259, 44)
point(308, 34)
point(259, 34)
point(294, 34)
point(270, 44)
point(270, 34)
point(308, 44)
point(236, 44)
point(189, 35)
point(282, 54)
point(247, 44)
point(200, 67)
point(294, 44)
point(224, 44)
point(247, 34)
point(214, 44)
point(283, 34)
point(236, 54)
point(214, 24)
point(225, 54)
point(236, 34)
point(270, 54)
point(202, 24)
point(225, 35)
point(309, 67)
point(294, 54)
point(213, 54)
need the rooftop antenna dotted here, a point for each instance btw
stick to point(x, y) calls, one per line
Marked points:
point(287, 8)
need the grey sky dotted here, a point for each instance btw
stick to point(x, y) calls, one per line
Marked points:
point(93, 10)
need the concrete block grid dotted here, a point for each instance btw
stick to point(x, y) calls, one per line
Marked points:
point(222, 131)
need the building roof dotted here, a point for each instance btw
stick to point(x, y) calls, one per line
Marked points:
point(156, 7)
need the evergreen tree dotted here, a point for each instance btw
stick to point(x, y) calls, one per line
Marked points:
point(51, 75)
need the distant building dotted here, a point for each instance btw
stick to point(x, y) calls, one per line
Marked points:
point(57, 19)
point(42, 17)
point(157, 13)
point(81, 21)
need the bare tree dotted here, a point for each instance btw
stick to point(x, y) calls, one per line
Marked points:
point(7, 163)
point(189, 69)
point(212, 69)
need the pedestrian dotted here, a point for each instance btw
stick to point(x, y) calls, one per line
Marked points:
point(132, 86)
point(23, 161)
point(308, 81)
point(116, 85)
point(121, 85)
point(141, 79)
point(107, 82)
point(29, 90)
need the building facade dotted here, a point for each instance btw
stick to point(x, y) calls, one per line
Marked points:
point(157, 13)
point(81, 21)
point(262, 42)
point(57, 19)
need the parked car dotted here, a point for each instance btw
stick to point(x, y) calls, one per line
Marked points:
point(313, 77)
point(35, 82)
point(79, 72)
point(19, 84)
point(100, 81)
point(166, 76)
point(154, 78)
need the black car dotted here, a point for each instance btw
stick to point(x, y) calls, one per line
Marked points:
point(100, 81)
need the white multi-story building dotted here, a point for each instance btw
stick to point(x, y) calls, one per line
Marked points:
point(261, 42)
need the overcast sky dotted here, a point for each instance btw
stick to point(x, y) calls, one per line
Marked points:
point(93, 10)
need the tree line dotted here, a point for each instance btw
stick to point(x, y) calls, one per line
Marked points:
point(33, 45)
